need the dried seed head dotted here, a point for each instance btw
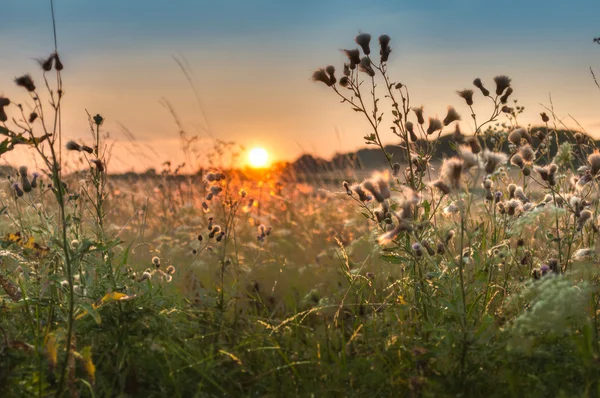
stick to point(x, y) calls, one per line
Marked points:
point(473, 142)
point(384, 48)
point(441, 186)
point(363, 41)
point(330, 69)
point(504, 98)
point(545, 117)
point(18, 190)
point(580, 254)
point(73, 146)
point(511, 190)
point(451, 171)
point(170, 270)
point(520, 194)
point(517, 160)
point(467, 95)
point(353, 57)
point(32, 117)
point(26, 82)
point(365, 66)
point(396, 169)
point(98, 164)
point(419, 113)
point(457, 136)
point(491, 160)
point(477, 83)
point(502, 83)
point(321, 76)
point(469, 158)
point(451, 116)
point(156, 261)
point(347, 188)
point(145, 276)
point(417, 249)
point(527, 153)
point(434, 125)
point(58, 65)
point(46, 63)
point(487, 184)
point(594, 161)
point(344, 81)
point(4, 101)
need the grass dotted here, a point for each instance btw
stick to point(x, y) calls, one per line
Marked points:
point(476, 278)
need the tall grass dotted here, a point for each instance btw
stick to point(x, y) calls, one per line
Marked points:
point(476, 278)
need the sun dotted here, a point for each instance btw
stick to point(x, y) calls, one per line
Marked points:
point(258, 157)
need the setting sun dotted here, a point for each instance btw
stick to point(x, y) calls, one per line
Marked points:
point(258, 157)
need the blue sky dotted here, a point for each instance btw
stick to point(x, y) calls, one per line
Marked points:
point(252, 61)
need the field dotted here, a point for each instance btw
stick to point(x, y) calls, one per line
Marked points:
point(473, 275)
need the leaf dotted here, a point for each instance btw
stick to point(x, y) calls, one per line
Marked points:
point(90, 368)
point(52, 349)
point(394, 259)
point(113, 296)
point(89, 309)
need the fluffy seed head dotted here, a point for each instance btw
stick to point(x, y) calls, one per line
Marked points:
point(451, 171)
point(320, 75)
point(156, 261)
point(353, 57)
point(504, 98)
point(477, 83)
point(365, 66)
point(491, 160)
point(73, 146)
point(594, 161)
point(419, 113)
point(527, 153)
point(434, 125)
point(467, 95)
point(363, 41)
point(451, 116)
point(26, 82)
point(517, 160)
point(441, 186)
point(502, 83)
point(473, 142)
point(384, 47)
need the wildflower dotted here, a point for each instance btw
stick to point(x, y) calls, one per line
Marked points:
point(216, 229)
point(441, 186)
point(58, 65)
point(210, 223)
point(504, 98)
point(545, 117)
point(353, 57)
point(517, 135)
point(520, 194)
point(215, 189)
point(473, 142)
point(451, 116)
point(25, 81)
point(497, 196)
point(594, 161)
point(46, 63)
point(87, 149)
point(467, 95)
point(418, 249)
point(365, 66)
point(98, 164)
point(491, 160)
point(469, 158)
point(377, 194)
point(527, 153)
point(34, 180)
point(487, 184)
point(507, 109)
point(385, 50)
point(321, 76)
point(513, 207)
point(419, 113)
point(434, 125)
point(362, 196)
point(220, 237)
point(449, 236)
point(18, 190)
point(477, 83)
point(363, 41)
point(346, 69)
point(511, 190)
point(517, 160)
point(410, 128)
point(32, 117)
point(452, 208)
point(204, 206)
point(170, 270)
point(451, 171)
point(585, 216)
point(347, 188)
point(73, 146)
point(583, 180)
point(330, 69)
point(156, 261)
point(502, 83)
point(344, 81)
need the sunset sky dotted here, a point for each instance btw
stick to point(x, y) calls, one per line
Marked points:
point(252, 62)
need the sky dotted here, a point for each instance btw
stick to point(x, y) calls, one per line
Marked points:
point(251, 61)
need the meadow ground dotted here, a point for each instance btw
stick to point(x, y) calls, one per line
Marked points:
point(474, 275)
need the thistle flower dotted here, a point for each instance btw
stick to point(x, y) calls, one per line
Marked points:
point(347, 71)
point(26, 82)
point(384, 48)
point(18, 190)
point(32, 117)
point(353, 57)
point(477, 83)
point(545, 117)
point(215, 190)
point(487, 184)
point(434, 125)
point(451, 116)
point(584, 217)
point(417, 249)
point(145, 276)
point(467, 95)
point(24, 180)
point(34, 180)
point(583, 181)
point(451, 171)
point(517, 160)
point(384, 188)
point(469, 158)
point(330, 69)
point(362, 195)
point(377, 194)
point(594, 161)
point(441, 186)
point(513, 207)
point(58, 65)
point(365, 66)
point(46, 63)
point(363, 41)
point(170, 270)
point(491, 160)
point(156, 261)
point(419, 113)
point(215, 230)
point(511, 190)
point(507, 109)
point(321, 76)
point(4, 101)
point(395, 170)
point(347, 188)
point(502, 83)
point(87, 149)
point(449, 236)
point(73, 146)
point(344, 81)
point(98, 164)
point(473, 142)
point(520, 194)
point(220, 237)
point(410, 128)
point(527, 153)
point(504, 98)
